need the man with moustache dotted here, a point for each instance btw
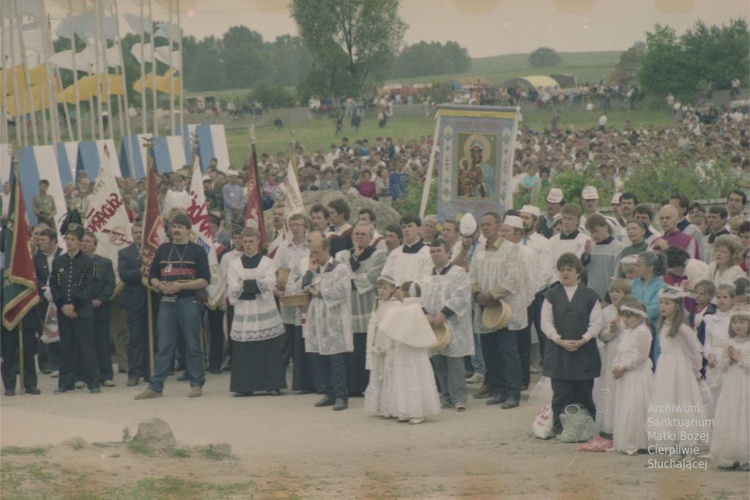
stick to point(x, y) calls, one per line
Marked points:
point(47, 250)
point(179, 271)
point(555, 202)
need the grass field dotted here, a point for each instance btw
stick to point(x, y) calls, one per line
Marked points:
point(586, 66)
point(319, 134)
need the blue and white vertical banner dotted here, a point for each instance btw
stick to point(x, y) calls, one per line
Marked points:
point(187, 133)
point(91, 155)
point(169, 154)
point(36, 163)
point(212, 143)
point(476, 146)
point(67, 156)
point(133, 156)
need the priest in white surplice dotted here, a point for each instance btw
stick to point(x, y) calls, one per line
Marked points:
point(328, 328)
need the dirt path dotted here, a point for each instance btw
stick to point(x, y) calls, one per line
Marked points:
point(284, 447)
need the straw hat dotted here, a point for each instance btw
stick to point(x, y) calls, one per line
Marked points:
point(443, 334)
point(497, 316)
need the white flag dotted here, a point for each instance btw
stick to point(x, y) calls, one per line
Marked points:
point(292, 196)
point(201, 232)
point(106, 216)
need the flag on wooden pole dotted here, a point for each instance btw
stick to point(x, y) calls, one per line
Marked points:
point(107, 217)
point(19, 287)
point(198, 213)
point(254, 210)
point(154, 232)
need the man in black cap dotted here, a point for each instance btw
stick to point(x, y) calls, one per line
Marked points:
point(72, 289)
point(180, 272)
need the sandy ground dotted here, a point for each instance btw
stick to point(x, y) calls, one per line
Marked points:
point(284, 447)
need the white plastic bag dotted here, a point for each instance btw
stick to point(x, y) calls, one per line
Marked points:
point(51, 331)
point(541, 394)
point(542, 426)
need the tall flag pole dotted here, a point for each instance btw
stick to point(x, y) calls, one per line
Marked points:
point(254, 209)
point(19, 287)
point(198, 213)
point(154, 234)
point(154, 231)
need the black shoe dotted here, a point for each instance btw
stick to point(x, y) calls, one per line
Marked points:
point(242, 394)
point(484, 392)
point(509, 403)
point(60, 391)
point(325, 401)
point(340, 405)
point(183, 378)
point(33, 390)
point(10, 392)
point(497, 400)
point(305, 391)
point(274, 392)
point(45, 370)
point(95, 390)
point(132, 381)
point(216, 371)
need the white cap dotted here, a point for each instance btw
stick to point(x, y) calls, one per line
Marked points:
point(590, 193)
point(615, 199)
point(468, 225)
point(532, 209)
point(206, 178)
point(555, 195)
point(232, 171)
point(513, 221)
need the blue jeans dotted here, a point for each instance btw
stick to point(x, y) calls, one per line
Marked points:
point(184, 317)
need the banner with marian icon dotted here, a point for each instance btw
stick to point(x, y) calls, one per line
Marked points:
point(475, 169)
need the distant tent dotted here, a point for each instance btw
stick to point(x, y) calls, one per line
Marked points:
point(566, 80)
point(532, 81)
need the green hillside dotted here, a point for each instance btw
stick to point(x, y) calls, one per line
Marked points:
point(587, 66)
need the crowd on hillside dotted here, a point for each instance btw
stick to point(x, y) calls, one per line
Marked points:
point(358, 310)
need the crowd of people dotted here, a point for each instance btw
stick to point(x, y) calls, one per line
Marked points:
point(408, 317)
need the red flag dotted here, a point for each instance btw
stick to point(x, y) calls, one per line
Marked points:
point(154, 232)
point(19, 288)
point(254, 210)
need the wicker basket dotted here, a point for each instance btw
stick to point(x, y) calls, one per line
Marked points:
point(296, 300)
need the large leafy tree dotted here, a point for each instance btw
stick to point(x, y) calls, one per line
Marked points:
point(544, 56)
point(362, 35)
point(431, 59)
point(702, 57)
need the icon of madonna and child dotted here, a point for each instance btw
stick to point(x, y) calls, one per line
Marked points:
point(476, 170)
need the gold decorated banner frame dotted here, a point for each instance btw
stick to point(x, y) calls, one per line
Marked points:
point(505, 115)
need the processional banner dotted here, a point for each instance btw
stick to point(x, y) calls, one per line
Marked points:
point(475, 167)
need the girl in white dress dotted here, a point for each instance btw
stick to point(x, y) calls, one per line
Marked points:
point(717, 326)
point(379, 357)
point(730, 442)
point(676, 413)
point(633, 378)
point(412, 390)
point(608, 341)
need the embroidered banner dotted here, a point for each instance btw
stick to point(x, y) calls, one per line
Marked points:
point(475, 165)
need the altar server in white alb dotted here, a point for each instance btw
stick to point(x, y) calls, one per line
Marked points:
point(328, 329)
point(256, 327)
point(410, 261)
point(446, 298)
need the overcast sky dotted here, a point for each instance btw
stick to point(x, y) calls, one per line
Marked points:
point(492, 27)
point(484, 27)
